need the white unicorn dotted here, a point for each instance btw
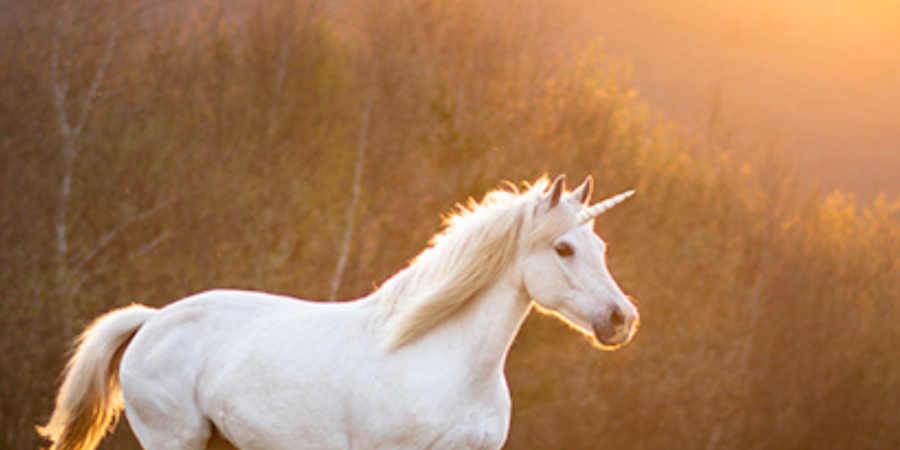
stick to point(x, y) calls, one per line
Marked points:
point(417, 364)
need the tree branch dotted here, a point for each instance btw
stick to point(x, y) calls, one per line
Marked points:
point(279, 83)
point(87, 102)
point(60, 89)
point(73, 285)
point(107, 238)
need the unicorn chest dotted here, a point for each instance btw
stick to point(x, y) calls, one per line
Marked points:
point(471, 428)
point(436, 418)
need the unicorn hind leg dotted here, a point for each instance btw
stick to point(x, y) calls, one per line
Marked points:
point(155, 429)
point(158, 375)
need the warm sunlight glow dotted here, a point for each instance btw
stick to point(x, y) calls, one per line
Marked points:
point(818, 77)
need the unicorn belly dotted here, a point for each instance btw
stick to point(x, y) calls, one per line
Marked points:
point(320, 380)
point(443, 418)
point(335, 407)
point(374, 427)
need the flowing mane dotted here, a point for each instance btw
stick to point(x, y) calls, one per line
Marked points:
point(477, 245)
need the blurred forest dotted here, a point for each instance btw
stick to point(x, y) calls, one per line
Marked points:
point(153, 150)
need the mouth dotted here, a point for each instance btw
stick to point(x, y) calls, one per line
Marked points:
point(612, 337)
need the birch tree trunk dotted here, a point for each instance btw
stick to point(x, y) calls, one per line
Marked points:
point(356, 193)
point(70, 133)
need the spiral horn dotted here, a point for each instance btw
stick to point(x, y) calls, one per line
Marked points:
point(589, 213)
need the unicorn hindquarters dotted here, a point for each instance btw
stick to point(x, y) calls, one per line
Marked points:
point(89, 401)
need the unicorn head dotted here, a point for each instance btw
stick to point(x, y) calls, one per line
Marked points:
point(563, 266)
point(542, 240)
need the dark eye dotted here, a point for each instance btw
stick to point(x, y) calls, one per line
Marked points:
point(564, 249)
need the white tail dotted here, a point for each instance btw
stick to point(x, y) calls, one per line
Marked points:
point(89, 400)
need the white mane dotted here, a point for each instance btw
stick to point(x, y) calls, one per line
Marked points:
point(478, 244)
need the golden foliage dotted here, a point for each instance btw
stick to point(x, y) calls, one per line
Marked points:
point(221, 155)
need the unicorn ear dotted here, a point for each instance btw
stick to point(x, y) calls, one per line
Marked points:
point(556, 191)
point(583, 193)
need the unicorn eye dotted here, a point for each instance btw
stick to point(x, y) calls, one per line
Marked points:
point(564, 249)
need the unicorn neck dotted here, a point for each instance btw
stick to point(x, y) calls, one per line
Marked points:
point(479, 335)
point(491, 323)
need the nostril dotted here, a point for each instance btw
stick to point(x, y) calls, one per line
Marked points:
point(616, 319)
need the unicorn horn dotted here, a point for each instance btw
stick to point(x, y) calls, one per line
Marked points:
point(589, 213)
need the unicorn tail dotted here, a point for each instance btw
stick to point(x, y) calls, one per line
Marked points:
point(89, 401)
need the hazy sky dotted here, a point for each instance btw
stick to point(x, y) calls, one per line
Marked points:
point(821, 78)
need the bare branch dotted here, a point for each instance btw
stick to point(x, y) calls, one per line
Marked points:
point(107, 238)
point(87, 102)
point(279, 83)
point(151, 245)
point(60, 87)
point(73, 285)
